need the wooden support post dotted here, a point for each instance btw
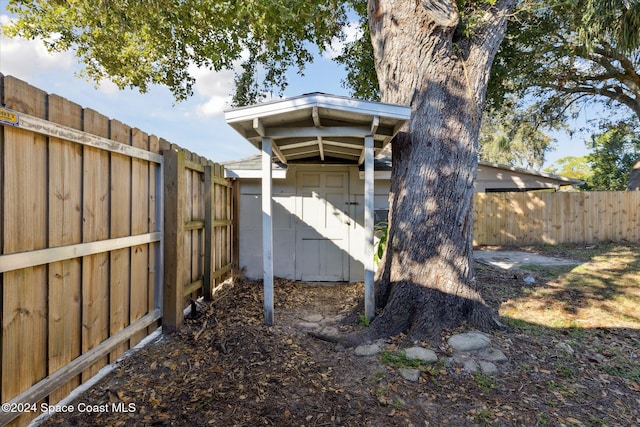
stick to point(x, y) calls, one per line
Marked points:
point(208, 230)
point(267, 232)
point(174, 215)
point(369, 264)
point(235, 226)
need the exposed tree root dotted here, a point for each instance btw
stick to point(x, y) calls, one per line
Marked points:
point(421, 313)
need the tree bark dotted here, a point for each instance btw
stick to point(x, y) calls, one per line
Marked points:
point(425, 281)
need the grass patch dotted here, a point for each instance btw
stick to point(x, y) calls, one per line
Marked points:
point(627, 372)
point(547, 271)
point(398, 359)
point(364, 320)
point(485, 382)
point(602, 293)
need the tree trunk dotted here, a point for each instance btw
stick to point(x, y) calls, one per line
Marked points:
point(425, 281)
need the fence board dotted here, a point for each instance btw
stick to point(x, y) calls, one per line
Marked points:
point(120, 261)
point(24, 292)
point(173, 240)
point(81, 223)
point(154, 225)
point(95, 268)
point(556, 218)
point(65, 228)
point(139, 225)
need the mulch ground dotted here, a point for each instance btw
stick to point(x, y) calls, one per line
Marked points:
point(226, 368)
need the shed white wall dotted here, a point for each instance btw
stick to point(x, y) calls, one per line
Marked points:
point(286, 216)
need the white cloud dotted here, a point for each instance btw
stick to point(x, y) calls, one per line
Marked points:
point(26, 58)
point(215, 88)
point(352, 32)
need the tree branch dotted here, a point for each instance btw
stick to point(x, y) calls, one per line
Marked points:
point(443, 12)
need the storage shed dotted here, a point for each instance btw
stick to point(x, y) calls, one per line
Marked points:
point(308, 202)
point(317, 223)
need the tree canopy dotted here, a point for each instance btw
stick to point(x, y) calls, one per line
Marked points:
point(562, 54)
point(572, 167)
point(140, 43)
point(509, 137)
point(615, 151)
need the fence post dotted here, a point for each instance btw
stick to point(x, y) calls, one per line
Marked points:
point(208, 230)
point(174, 204)
point(235, 226)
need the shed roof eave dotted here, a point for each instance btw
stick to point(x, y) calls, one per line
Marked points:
point(321, 100)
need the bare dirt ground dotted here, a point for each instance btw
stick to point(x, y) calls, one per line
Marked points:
point(226, 368)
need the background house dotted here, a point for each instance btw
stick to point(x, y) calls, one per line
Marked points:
point(318, 212)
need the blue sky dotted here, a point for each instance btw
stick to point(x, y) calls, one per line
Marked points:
point(196, 124)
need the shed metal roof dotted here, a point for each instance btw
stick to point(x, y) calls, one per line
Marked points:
point(319, 126)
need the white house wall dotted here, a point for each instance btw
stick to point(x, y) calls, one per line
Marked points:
point(285, 216)
point(494, 178)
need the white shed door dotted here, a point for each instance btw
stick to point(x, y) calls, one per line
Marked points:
point(322, 229)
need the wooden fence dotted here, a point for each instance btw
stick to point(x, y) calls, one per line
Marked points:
point(105, 232)
point(513, 219)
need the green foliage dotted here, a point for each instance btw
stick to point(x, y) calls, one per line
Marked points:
point(616, 20)
point(614, 153)
point(572, 167)
point(398, 359)
point(146, 42)
point(357, 57)
point(509, 138)
point(564, 55)
point(364, 320)
point(485, 382)
point(382, 231)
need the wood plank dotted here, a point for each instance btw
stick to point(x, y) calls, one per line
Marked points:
point(24, 292)
point(120, 261)
point(587, 217)
point(46, 128)
point(1, 225)
point(65, 228)
point(617, 216)
point(37, 257)
point(189, 272)
point(197, 239)
point(96, 219)
point(139, 292)
point(235, 245)
point(43, 388)
point(155, 277)
point(174, 207)
point(208, 232)
point(633, 206)
point(478, 232)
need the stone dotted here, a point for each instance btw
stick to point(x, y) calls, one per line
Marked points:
point(422, 354)
point(313, 318)
point(469, 341)
point(565, 347)
point(367, 350)
point(409, 374)
point(308, 325)
point(488, 368)
point(470, 366)
point(492, 355)
point(329, 330)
